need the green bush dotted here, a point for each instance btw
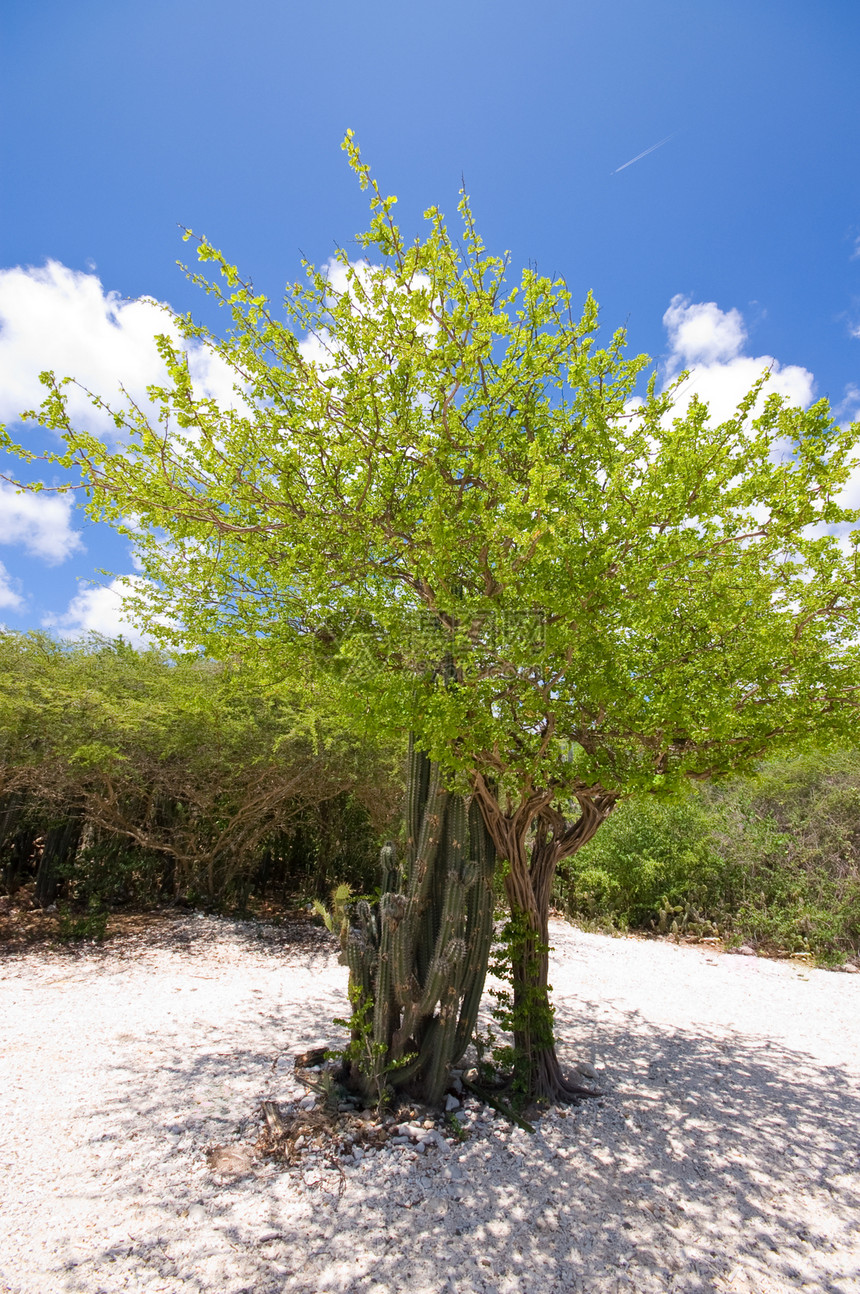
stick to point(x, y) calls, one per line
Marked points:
point(773, 860)
point(92, 925)
point(133, 777)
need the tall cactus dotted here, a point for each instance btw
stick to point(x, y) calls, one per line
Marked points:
point(418, 957)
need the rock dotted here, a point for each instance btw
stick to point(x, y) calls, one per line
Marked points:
point(233, 1161)
point(849, 968)
point(587, 1071)
point(411, 1130)
point(746, 951)
point(451, 1103)
point(196, 1213)
point(357, 1154)
point(311, 1057)
point(307, 1102)
point(420, 1148)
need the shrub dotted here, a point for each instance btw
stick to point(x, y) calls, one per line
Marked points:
point(774, 860)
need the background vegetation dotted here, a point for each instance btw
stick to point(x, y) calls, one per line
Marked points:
point(130, 780)
point(772, 860)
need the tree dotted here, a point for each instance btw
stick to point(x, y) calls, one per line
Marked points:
point(426, 465)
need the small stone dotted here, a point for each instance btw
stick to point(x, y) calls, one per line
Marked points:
point(587, 1071)
point(307, 1102)
point(196, 1213)
point(311, 1056)
point(451, 1103)
point(230, 1160)
point(428, 1123)
point(400, 1141)
point(420, 1148)
point(357, 1154)
point(849, 968)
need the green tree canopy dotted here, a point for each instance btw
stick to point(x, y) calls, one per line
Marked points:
point(426, 463)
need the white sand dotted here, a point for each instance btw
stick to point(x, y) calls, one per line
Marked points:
point(725, 1156)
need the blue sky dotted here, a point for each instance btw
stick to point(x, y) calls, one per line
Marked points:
point(122, 121)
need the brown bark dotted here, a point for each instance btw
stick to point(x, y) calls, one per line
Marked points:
point(528, 886)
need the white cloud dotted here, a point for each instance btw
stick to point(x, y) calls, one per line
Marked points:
point(62, 319)
point(709, 342)
point(40, 523)
point(701, 333)
point(99, 609)
point(9, 596)
point(849, 406)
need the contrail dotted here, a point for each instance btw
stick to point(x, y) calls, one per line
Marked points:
point(639, 156)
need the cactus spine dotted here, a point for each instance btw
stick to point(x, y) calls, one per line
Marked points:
point(419, 956)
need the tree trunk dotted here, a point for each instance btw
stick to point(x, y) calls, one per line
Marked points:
point(528, 887)
point(59, 842)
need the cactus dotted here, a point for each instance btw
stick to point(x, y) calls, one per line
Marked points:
point(418, 957)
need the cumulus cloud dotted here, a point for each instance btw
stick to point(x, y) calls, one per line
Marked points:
point(40, 523)
point(57, 318)
point(99, 609)
point(9, 595)
point(709, 342)
point(849, 406)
